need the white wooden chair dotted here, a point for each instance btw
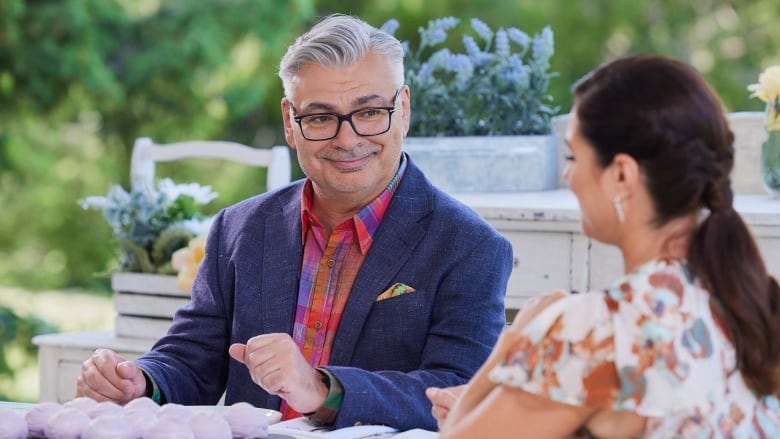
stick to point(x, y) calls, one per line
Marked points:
point(146, 153)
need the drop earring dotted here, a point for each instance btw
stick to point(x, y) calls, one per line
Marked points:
point(618, 209)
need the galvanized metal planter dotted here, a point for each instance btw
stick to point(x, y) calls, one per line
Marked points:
point(488, 163)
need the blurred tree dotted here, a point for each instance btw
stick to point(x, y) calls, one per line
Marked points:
point(79, 80)
point(16, 351)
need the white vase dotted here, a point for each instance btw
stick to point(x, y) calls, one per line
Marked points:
point(770, 163)
point(487, 163)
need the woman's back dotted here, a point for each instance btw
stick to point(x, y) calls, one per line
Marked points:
point(650, 345)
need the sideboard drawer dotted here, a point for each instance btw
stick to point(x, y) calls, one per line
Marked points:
point(542, 262)
point(60, 357)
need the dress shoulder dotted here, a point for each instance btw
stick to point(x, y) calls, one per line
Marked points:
point(629, 347)
point(563, 348)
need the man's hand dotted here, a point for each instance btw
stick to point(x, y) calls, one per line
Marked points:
point(276, 364)
point(106, 376)
point(443, 399)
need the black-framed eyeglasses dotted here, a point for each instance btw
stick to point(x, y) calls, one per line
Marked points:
point(370, 121)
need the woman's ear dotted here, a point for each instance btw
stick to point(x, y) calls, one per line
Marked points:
point(625, 175)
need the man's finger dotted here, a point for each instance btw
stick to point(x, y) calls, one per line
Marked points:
point(237, 351)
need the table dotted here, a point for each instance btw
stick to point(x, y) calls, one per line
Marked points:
point(17, 406)
point(23, 407)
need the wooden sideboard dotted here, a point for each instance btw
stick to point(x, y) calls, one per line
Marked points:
point(551, 252)
point(60, 357)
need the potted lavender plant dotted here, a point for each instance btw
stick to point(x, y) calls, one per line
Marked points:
point(155, 227)
point(497, 88)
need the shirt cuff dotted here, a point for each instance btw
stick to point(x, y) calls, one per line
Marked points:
point(326, 413)
point(152, 390)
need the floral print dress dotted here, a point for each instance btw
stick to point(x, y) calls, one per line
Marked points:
point(649, 345)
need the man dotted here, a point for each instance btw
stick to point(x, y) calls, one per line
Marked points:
point(342, 296)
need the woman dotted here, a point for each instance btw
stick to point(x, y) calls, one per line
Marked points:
point(686, 343)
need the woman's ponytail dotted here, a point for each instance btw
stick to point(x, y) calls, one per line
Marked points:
point(724, 255)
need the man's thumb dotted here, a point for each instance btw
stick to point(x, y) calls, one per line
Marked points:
point(127, 370)
point(237, 351)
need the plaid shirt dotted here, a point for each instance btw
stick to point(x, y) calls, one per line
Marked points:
point(328, 270)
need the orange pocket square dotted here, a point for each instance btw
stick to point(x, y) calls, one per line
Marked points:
point(395, 290)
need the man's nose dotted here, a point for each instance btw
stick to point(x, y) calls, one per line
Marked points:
point(347, 134)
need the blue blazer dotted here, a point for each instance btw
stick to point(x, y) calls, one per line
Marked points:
point(385, 352)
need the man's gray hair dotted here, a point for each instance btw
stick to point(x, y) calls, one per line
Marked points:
point(340, 40)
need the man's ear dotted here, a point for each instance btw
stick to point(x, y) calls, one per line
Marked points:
point(406, 106)
point(289, 123)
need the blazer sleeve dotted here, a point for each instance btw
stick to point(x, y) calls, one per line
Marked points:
point(197, 340)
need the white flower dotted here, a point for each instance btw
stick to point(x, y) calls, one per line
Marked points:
point(201, 194)
point(150, 223)
point(94, 202)
point(197, 226)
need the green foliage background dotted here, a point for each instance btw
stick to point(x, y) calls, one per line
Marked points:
point(81, 79)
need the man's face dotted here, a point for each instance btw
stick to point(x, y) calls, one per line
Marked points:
point(348, 166)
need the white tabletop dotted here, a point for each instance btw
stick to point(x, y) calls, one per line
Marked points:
point(17, 406)
point(561, 205)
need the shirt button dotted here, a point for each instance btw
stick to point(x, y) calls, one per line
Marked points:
point(318, 325)
point(331, 262)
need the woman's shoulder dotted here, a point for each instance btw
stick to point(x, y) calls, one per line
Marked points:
point(660, 293)
point(657, 289)
point(644, 309)
point(657, 280)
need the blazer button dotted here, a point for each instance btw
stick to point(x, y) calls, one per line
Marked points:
point(331, 262)
point(318, 325)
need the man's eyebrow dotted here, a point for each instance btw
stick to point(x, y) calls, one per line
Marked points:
point(314, 107)
point(362, 100)
point(329, 108)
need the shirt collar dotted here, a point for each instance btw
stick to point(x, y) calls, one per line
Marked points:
point(365, 222)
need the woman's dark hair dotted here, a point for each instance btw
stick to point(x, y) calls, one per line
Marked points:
point(662, 113)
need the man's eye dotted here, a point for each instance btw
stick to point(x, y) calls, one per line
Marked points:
point(370, 113)
point(320, 119)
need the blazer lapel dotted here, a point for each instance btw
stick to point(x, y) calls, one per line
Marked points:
point(281, 263)
point(393, 244)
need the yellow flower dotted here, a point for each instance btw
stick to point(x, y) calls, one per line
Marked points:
point(768, 87)
point(186, 261)
point(768, 90)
